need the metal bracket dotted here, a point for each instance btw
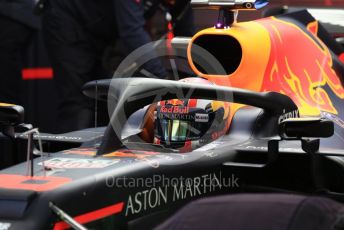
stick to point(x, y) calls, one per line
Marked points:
point(272, 155)
point(30, 151)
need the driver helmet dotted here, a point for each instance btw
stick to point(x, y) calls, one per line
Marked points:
point(186, 125)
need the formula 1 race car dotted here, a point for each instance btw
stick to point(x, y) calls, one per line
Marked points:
point(268, 118)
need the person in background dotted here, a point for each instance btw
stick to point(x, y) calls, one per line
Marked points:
point(77, 33)
point(17, 25)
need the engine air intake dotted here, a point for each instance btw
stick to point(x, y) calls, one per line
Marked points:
point(226, 49)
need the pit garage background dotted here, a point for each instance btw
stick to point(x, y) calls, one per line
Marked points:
point(38, 92)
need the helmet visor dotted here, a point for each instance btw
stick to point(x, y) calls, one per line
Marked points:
point(174, 130)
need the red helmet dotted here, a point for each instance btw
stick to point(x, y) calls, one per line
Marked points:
point(188, 124)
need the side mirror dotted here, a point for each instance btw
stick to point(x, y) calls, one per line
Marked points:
point(297, 128)
point(11, 115)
